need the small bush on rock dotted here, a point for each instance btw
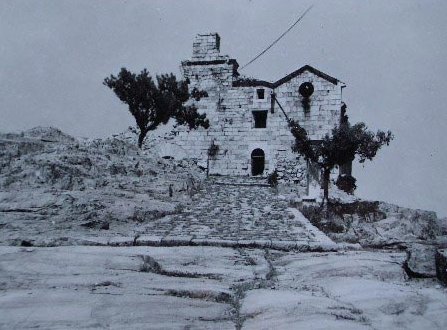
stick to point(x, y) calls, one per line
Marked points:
point(324, 220)
point(346, 183)
point(213, 150)
point(334, 218)
point(272, 179)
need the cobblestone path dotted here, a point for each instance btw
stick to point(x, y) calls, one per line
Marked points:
point(238, 212)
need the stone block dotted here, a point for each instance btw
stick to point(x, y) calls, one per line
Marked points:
point(121, 241)
point(259, 244)
point(176, 240)
point(421, 261)
point(149, 240)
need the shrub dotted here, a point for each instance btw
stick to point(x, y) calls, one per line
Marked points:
point(272, 179)
point(324, 219)
point(334, 217)
point(346, 183)
point(213, 150)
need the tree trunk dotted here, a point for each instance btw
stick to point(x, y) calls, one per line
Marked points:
point(326, 178)
point(308, 177)
point(208, 166)
point(141, 137)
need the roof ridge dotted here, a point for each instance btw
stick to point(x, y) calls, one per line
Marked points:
point(307, 67)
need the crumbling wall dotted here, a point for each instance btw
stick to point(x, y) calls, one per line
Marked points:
point(206, 47)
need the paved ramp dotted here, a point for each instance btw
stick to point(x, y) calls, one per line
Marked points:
point(245, 212)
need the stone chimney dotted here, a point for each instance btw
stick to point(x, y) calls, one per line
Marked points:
point(206, 47)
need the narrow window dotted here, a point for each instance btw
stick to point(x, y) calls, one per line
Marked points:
point(260, 118)
point(260, 92)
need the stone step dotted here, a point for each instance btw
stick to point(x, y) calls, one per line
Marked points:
point(239, 179)
point(249, 184)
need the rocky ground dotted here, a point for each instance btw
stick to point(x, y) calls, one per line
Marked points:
point(212, 288)
point(98, 234)
point(61, 192)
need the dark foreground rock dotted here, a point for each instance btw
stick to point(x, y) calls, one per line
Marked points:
point(441, 265)
point(421, 261)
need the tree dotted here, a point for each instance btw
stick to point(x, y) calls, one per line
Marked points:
point(341, 147)
point(152, 104)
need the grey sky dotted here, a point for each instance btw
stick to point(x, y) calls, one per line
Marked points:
point(391, 54)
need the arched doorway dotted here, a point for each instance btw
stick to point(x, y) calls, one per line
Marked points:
point(257, 162)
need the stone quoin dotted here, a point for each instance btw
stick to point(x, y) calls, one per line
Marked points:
point(246, 123)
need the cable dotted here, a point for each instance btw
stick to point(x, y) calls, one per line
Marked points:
point(279, 38)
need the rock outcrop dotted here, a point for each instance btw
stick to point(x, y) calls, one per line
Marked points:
point(420, 261)
point(374, 224)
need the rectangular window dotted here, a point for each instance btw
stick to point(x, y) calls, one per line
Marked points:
point(260, 118)
point(260, 93)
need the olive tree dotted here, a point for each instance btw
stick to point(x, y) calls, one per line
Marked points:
point(153, 103)
point(339, 148)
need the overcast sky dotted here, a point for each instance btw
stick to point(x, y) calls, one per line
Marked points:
point(391, 54)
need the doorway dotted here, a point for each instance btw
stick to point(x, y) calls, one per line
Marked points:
point(257, 162)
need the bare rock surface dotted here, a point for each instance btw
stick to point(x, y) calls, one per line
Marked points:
point(349, 290)
point(212, 288)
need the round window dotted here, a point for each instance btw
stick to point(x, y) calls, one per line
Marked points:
point(306, 89)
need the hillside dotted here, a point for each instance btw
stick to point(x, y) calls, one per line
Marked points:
point(54, 186)
point(114, 236)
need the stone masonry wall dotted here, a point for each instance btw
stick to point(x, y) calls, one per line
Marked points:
point(206, 46)
point(230, 106)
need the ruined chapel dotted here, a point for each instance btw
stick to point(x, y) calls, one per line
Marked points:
point(248, 126)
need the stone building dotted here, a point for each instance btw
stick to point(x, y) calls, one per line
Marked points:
point(246, 123)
